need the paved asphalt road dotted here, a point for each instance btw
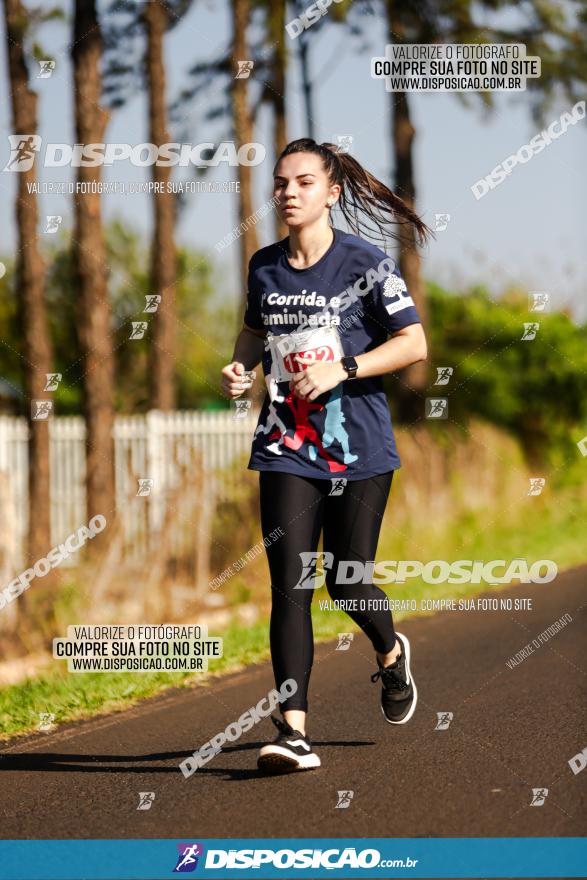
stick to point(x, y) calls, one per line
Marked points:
point(513, 730)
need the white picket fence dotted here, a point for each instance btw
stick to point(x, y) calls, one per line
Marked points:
point(156, 446)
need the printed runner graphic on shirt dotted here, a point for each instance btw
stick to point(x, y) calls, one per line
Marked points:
point(303, 431)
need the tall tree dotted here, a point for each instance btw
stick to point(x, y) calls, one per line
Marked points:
point(228, 98)
point(337, 13)
point(275, 86)
point(415, 377)
point(243, 131)
point(162, 351)
point(89, 257)
point(130, 61)
point(37, 356)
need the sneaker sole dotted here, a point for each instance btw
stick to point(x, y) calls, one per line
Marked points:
point(279, 760)
point(412, 708)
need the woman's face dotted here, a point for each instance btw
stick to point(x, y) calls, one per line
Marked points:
point(302, 189)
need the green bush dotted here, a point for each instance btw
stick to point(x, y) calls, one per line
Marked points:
point(537, 389)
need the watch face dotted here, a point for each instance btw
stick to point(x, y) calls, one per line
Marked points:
point(350, 366)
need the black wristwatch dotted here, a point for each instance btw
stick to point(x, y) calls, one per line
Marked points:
point(351, 366)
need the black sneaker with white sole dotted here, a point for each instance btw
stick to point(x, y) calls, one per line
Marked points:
point(398, 692)
point(290, 751)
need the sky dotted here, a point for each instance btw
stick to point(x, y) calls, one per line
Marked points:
point(529, 231)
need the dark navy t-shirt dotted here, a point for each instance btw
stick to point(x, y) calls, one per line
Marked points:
point(356, 289)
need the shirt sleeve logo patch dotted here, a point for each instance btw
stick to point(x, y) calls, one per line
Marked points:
point(395, 288)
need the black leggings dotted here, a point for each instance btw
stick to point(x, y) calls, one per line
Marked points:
point(302, 507)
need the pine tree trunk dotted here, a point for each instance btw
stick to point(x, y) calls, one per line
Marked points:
point(243, 129)
point(89, 259)
point(35, 605)
point(277, 11)
point(413, 379)
point(162, 351)
point(304, 45)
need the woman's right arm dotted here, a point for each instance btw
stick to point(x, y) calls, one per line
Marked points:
point(248, 351)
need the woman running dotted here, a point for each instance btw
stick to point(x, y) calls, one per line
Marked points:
point(321, 305)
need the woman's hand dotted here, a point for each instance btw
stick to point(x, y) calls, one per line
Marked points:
point(233, 384)
point(317, 378)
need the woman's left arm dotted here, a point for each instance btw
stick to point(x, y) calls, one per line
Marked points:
point(405, 347)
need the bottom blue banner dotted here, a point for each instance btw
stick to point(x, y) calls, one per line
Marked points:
point(222, 858)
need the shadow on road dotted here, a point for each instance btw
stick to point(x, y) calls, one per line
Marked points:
point(72, 763)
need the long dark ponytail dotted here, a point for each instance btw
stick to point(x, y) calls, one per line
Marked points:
point(361, 192)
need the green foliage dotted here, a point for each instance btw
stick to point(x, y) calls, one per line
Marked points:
point(205, 330)
point(537, 389)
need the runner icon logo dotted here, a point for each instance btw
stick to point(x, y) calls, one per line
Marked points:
point(311, 577)
point(189, 854)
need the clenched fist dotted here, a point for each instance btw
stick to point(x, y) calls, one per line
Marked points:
point(234, 383)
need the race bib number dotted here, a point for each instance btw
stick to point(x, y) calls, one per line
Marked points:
point(309, 346)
